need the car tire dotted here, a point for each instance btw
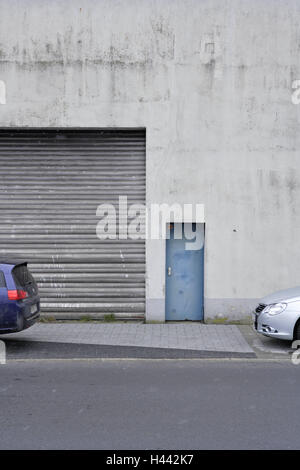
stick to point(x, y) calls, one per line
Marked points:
point(20, 322)
point(297, 331)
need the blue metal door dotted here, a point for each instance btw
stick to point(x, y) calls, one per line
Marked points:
point(185, 273)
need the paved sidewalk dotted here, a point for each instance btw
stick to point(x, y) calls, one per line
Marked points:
point(181, 336)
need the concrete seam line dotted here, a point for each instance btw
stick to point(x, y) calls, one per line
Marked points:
point(111, 359)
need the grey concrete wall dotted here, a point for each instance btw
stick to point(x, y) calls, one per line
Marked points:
point(211, 81)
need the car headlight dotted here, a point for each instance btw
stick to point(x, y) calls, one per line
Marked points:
point(274, 309)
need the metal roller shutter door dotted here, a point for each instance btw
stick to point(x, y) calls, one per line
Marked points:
point(52, 182)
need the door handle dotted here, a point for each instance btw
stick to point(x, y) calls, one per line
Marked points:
point(169, 271)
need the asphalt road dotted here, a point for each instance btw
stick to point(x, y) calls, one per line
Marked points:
point(149, 404)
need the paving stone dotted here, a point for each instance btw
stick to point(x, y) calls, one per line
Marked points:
point(191, 336)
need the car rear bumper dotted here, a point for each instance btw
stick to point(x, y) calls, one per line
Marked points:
point(22, 316)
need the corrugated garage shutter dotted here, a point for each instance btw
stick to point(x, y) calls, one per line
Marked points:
point(51, 183)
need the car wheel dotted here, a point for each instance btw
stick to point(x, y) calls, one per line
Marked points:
point(297, 330)
point(20, 322)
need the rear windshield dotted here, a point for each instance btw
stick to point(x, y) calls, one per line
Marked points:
point(22, 276)
point(2, 279)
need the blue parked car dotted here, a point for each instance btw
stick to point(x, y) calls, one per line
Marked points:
point(19, 297)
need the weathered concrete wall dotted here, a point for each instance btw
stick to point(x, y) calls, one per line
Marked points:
point(211, 81)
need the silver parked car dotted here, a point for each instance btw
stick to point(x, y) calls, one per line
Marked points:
point(278, 315)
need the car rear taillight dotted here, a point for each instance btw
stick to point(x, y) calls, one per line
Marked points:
point(17, 294)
